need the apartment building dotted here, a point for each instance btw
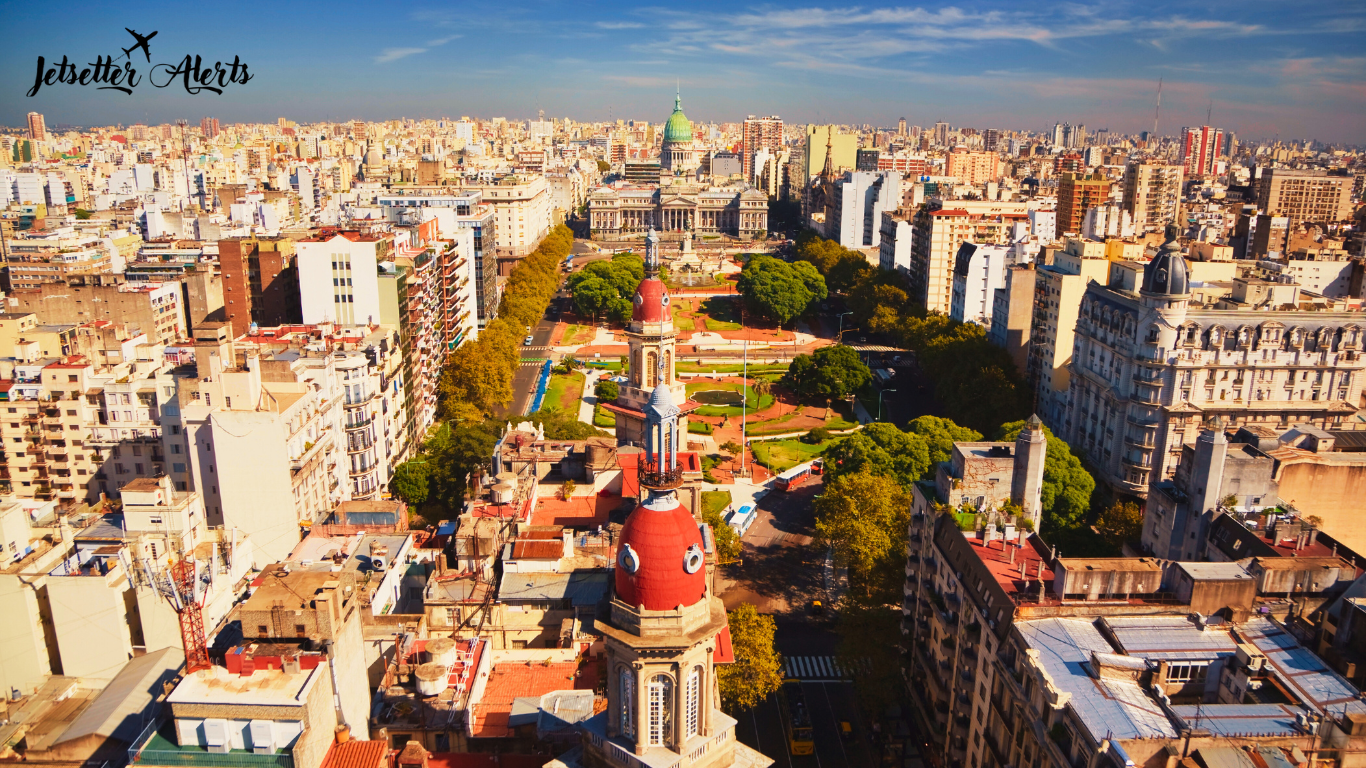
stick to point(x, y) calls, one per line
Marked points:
point(1077, 195)
point(1012, 313)
point(1303, 195)
point(1058, 288)
point(521, 212)
point(1152, 194)
point(1324, 268)
point(857, 205)
point(260, 282)
point(338, 276)
point(157, 309)
point(972, 167)
point(894, 242)
point(1201, 147)
point(1150, 365)
point(939, 231)
point(978, 272)
point(759, 133)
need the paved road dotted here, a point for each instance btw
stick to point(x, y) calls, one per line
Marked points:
point(829, 703)
point(525, 379)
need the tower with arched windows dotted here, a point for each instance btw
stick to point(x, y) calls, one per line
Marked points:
point(667, 630)
point(650, 360)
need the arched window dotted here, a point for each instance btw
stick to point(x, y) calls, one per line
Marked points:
point(627, 697)
point(668, 366)
point(651, 361)
point(694, 693)
point(661, 711)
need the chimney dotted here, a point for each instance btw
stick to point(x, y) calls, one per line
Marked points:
point(567, 535)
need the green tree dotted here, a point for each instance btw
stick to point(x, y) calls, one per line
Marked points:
point(453, 452)
point(475, 379)
point(619, 309)
point(563, 426)
point(591, 296)
point(411, 481)
point(1067, 486)
point(606, 390)
point(829, 373)
point(82, 214)
point(756, 673)
point(727, 543)
point(604, 166)
point(1121, 522)
point(869, 648)
point(940, 434)
point(851, 268)
point(27, 153)
point(776, 289)
point(881, 449)
point(863, 518)
point(16, 152)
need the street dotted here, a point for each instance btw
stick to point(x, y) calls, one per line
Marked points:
point(529, 371)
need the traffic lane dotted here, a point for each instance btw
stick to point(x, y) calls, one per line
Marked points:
point(842, 699)
point(524, 382)
point(829, 704)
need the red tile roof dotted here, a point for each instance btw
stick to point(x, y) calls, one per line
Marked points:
point(484, 760)
point(578, 512)
point(997, 559)
point(509, 680)
point(356, 754)
point(537, 550)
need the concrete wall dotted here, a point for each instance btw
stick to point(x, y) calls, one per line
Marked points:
point(90, 616)
point(23, 648)
point(1336, 494)
point(250, 467)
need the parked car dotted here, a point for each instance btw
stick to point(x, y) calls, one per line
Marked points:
point(526, 342)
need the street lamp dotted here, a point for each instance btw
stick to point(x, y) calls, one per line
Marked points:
point(840, 336)
point(879, 402)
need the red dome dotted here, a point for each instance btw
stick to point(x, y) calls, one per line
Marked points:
point(647, 308)
point(660, 549)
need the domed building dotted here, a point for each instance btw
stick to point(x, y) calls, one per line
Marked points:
point(676, 154)
point(667, 630)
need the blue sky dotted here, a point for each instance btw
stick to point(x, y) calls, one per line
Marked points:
point(1293, 70)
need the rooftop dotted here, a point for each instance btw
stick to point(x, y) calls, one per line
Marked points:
point(509, 680)
point(263, 687)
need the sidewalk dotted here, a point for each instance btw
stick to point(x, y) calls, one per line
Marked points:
point(590, 379)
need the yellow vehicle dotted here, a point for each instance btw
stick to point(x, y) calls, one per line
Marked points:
point(796, 718)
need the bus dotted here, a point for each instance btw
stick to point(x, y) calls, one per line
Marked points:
point(798, 475)
point(796, 718)
point(741, 519)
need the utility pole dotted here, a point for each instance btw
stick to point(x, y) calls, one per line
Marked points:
point(744, 405)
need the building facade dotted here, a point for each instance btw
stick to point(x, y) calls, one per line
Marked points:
point(1305, 195)
point(617, 212)
point(1152, 194)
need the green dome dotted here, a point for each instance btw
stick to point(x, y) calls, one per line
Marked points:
point(678, 129)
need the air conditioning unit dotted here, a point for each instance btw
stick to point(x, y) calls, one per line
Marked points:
point(216, 735)
point(262, 737)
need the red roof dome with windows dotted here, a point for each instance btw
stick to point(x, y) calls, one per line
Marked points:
point(660, 559)
point(648, 308)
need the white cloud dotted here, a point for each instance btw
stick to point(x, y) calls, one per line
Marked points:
point(619, 25)
point(441, 40)
point(394, 54)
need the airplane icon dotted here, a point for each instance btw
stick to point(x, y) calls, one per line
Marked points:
point(142, 41)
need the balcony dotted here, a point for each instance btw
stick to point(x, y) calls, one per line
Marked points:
point(158, 747)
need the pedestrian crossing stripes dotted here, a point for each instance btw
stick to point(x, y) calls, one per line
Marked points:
point(532, 363)
point(813, 668)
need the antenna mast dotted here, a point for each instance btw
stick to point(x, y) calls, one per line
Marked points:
point(182, 587)
point(1158, 112)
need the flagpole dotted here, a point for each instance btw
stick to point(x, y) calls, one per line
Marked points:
point(744, 405)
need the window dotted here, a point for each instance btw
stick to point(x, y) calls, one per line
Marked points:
point(626, 682)
point(300, 630)
point(1186, 673)
point(661, 689)
point(694, 694)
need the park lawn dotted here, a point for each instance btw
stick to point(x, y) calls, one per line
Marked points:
point(722, 314)
point(715, 501)
point(782, 455)
point(573, 333)
point(682, 323)
point(604, 418)
point(614, 365)
point(774, 426)
point(728, 410)
point(754, 368)
point(565, 391)
point(700, 427)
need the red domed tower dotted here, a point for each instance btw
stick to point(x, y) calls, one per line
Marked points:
point(666, 631)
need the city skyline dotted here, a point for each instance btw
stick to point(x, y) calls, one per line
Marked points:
point(1261, 72)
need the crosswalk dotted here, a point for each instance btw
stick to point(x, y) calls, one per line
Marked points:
point(532, 363)
point(813, 668)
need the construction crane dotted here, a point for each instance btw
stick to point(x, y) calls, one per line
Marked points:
point(182, 587)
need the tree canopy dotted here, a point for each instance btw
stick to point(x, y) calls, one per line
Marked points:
point(779, 290)
point(1067, 486)
point(411, 481)
point(756, 672)
point(863, 518)
point(830, 373)
point(1121, 522)
point(603, 287)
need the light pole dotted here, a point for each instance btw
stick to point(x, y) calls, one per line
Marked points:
point(840, 336)
point(879, 401)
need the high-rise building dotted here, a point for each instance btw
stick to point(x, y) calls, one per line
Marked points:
point(209, 127)
point(973, 167)
point(901, 127)
point(260, 283)
point(759, 133)
point(1305, 195)
point(1078, 193)
point(940, 230)
point(37, 129)
point(941, 133)
point(854, 210)
point(1200, 147)
point(991, 139)
point(1152, 193)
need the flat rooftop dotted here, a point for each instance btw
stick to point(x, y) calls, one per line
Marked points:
point(264, 687)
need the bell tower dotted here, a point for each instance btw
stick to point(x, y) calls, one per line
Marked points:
point(651, 339)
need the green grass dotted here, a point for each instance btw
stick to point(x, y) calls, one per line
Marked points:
point(569, 339)
point(603, 417)
point(686, 367)
point(782, 455)
point(722, 314)
point(728, 410)
point(682, 323)
point(700, 428)
point(565, 391)
point(715, 501)
point(615, 365)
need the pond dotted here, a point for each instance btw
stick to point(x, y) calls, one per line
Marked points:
point(718, 397)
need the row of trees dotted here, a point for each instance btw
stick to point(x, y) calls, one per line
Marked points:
point(477, 383)
point(605, 288)
point(829, 373)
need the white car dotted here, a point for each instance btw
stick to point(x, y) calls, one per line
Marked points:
point(526, 342)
